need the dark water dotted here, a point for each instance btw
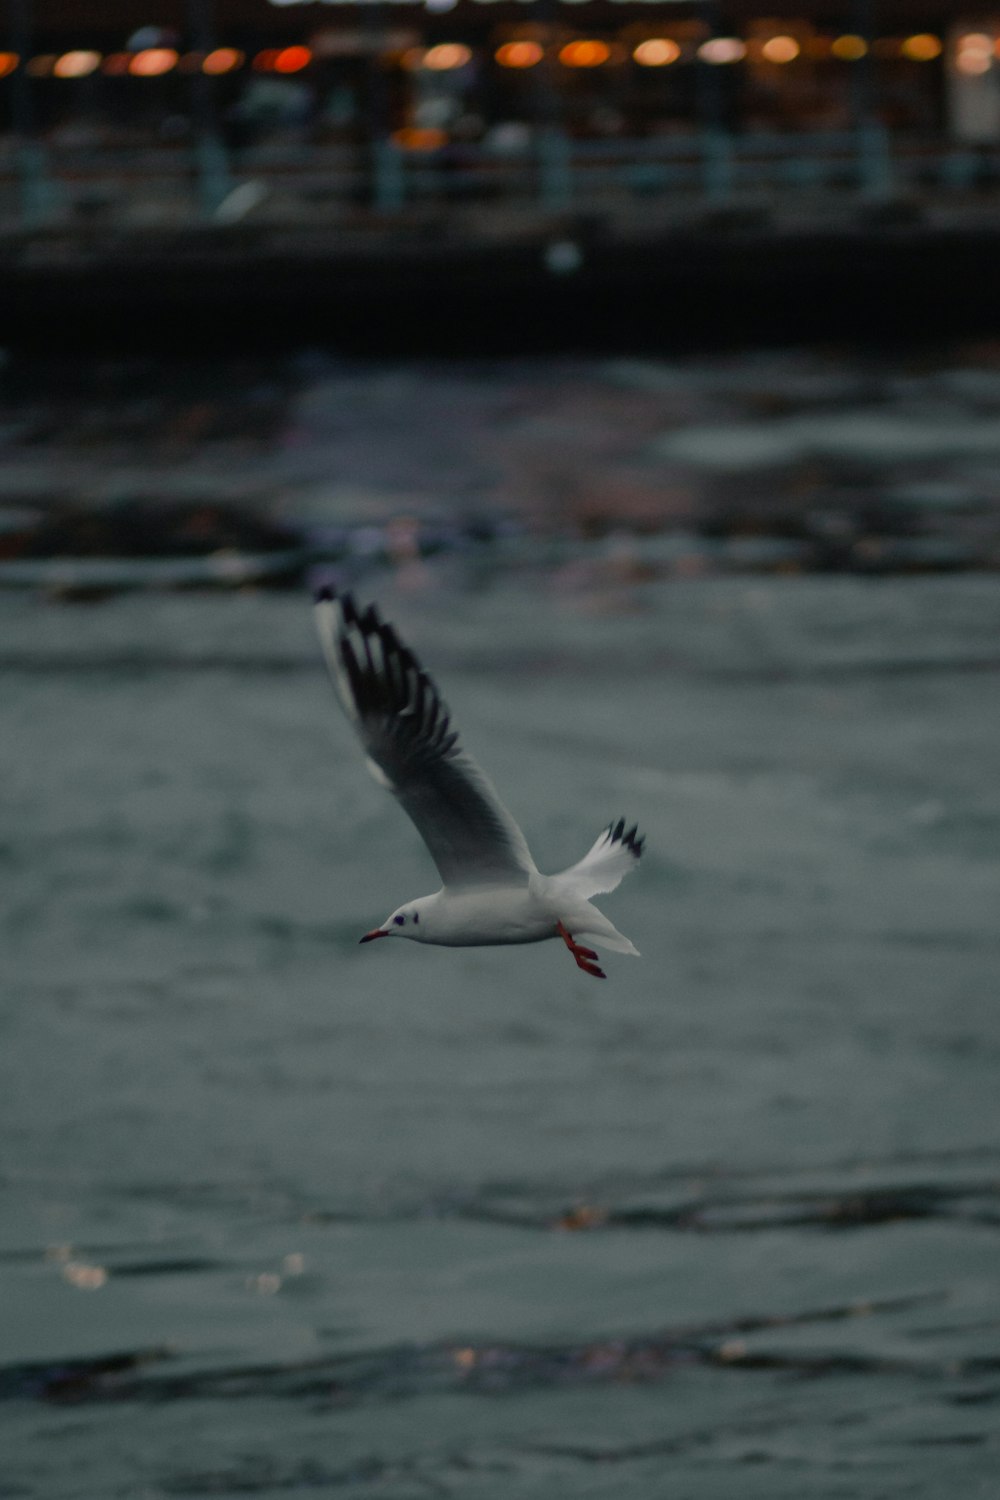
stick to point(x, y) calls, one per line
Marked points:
point(284, 1214)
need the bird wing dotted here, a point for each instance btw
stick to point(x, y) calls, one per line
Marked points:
point(405, 731)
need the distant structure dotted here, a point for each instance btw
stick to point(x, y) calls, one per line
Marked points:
point(276, 109)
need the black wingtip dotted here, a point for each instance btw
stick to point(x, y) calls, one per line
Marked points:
point(632, 840)
point(326, 593)
point(386, 683)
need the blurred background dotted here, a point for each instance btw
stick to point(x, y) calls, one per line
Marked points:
point(642, 361)
point(496, 171)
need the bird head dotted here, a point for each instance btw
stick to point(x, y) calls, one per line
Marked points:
point(404, 922)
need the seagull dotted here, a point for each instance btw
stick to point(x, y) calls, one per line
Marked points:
point(492, 891)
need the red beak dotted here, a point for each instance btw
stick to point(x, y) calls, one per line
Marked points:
point(376, 932)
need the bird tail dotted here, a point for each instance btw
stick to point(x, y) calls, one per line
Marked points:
point(607, 935)
point(605, 866)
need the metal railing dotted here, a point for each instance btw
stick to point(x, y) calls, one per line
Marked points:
point(61, 184)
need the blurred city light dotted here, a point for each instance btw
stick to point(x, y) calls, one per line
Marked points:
point(922, 48)
point(419, 138)
point(499, 117)
point(973, 62)
point(780, 49)
point(519, 54)
point(76, 64)
point(656, 52)
point(292, 60)
point(721, 50)
point(447, 55)
point(153, 61)
point(974, 53)
point(588, 53)
point(223, 60)
point(849, 48)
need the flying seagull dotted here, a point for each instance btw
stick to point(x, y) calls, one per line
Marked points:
point(492, 890)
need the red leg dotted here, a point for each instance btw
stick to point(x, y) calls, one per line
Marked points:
point(585, 957)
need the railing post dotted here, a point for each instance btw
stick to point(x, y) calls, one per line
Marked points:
point(554, 152)
point(555, 170)
point(36, 195)
point(389, 187)
point(714, 141)
point(717, 164)
point(386, 162)
point(874, 162)
point(211, 161)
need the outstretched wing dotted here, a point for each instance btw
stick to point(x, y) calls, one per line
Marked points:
point(411, 749)
point(605, 866)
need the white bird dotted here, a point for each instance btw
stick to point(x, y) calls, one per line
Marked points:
point(492, 891)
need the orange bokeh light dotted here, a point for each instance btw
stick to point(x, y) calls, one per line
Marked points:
point(519, 55)
point(223, 60)
point(584, 54)
point(76, 64)
point(780, 49)
point(849, 48)
point(416, 138)
point(292, 60)
point(923, 47)
point(153, 62)
point(720, 50)
point(974, 55)
point(8, 63)
point(657, 52)
point(447, 55)
point(973, 63)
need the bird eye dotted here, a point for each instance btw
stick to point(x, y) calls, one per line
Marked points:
point(399, 921)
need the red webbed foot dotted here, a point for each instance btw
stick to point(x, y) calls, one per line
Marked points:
point(585, 957)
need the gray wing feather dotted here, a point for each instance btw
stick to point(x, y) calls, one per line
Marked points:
point(405, 730)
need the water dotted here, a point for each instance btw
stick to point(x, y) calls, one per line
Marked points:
point(284, 1214)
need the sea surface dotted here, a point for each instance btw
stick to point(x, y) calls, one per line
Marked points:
point(281, 1214)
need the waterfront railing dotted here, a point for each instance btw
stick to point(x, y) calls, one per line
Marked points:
point(63, 183)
